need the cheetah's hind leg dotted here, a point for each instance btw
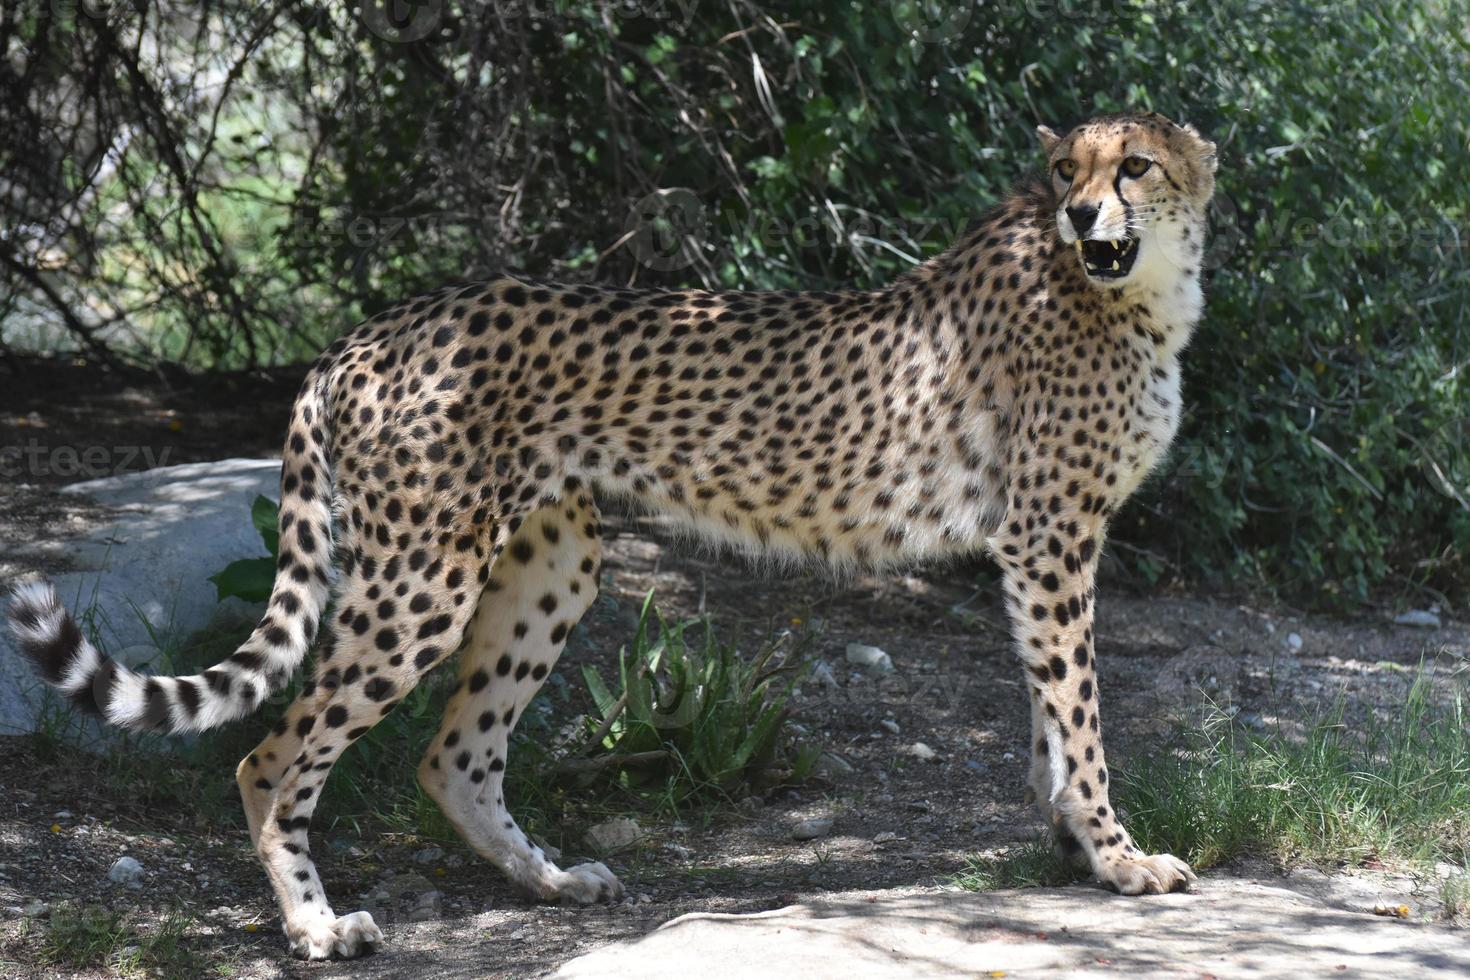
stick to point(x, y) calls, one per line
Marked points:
point(395, 621)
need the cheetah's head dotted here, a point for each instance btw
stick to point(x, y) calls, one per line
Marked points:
point(1131, 196)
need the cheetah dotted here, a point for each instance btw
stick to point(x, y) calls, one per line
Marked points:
point(444, 460)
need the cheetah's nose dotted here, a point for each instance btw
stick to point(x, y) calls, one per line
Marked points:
point(1082, 215)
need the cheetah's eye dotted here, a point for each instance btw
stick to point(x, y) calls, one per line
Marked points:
point(1066, 169)
point(1136, 166)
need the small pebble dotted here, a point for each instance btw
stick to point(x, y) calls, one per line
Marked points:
point(869, 658)
point(126, 871)
point(823, 675)
point(922, 752)
point(1423, 618)
point(613, 835)
point(811, 828)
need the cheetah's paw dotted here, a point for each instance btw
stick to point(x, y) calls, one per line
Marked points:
point(347, 938)
point(1155, 874)
point(587, 884)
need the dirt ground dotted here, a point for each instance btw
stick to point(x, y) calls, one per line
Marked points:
point(899, 821)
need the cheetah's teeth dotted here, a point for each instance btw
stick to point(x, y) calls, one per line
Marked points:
point(1107, 258)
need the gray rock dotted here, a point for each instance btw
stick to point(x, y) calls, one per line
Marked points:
point(832, 766)
point(1423, 618)
point(922, 752)
point(612, 835)
point(871, 659)
point(812, 828)
point(147, 572)
point(412, 896)
point(1224, 928)
point(126, 871)
point(822, 674)
point(428, 855)
point(427, 906)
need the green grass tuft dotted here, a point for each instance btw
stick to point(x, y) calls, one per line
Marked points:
point(1032, 864)
point(1343, 788)
point(94, 936)
point(1338, 789)
point(1454, 893)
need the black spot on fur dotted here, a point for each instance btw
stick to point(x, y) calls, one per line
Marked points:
point(379, 688)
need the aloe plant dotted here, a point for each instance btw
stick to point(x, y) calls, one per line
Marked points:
point(693, 717)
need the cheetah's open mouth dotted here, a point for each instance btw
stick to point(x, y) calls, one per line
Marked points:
point(1108, 259)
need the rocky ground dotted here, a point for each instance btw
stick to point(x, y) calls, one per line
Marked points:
point(923, 769)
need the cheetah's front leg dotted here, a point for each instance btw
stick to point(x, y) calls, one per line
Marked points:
point(544, 583)
point(1049, 579)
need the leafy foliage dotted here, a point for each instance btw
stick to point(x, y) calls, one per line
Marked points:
point(346, 165)
point(251, 578)
point(695, 720)
point(1033, 863)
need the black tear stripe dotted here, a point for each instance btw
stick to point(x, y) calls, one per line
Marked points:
point(1127, 207)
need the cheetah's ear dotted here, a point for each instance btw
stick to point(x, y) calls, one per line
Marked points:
point(1204, 147)
point(1049, 139)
